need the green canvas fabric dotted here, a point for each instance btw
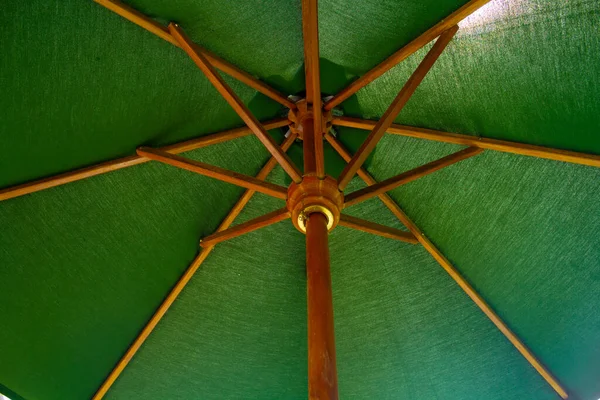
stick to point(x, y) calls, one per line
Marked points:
point(524, 232)
point(385, 319)
point(83, 266)
point(81, 86)
point(404, 330)
point(262, 37)
point(355, 35)
point(273, 30)
point(238, 330)
point(523, 70)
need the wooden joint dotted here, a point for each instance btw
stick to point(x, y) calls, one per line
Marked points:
point(315, 195)
point(303, 112)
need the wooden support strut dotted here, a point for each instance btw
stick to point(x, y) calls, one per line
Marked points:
point(377, 229)
point(185, 278)
point(409, 176)
point(212, 171)
point(235, 102)
point(456, 276)
point(364, 175)
point(162, 32)
point(402, 54)
point(246, 227)
point(394, 109)
point(130, 161)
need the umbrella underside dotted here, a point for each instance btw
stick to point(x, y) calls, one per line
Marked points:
point(85, 265)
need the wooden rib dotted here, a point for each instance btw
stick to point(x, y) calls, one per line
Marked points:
point(212, 171)
point(394, 109)
point(483, 306)
point(310, 33)
point(71, 176)
point(185, 278)
point(249, 226)
point(236, 103)
point(154, 27)
point(377, 229)
point(129, 161)
point(406, 51)
point(454, 274)
point(409, 176)
point(504, 146)
point(160, 312)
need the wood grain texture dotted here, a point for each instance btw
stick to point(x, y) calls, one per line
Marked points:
point(394, 109)
point(322, 371)
point(262, 175)
point(363, 174)
point(310, 33)
point(455, 275)
point(406, 51)
point(185, 278)
point(409, 176)
point(592, 160)
point(246, 227)
point(154, 27)
point(376, 229)
point(212, 171)
point(308, 146)
point(220, 137)
point(129, 161)
point(236, 103)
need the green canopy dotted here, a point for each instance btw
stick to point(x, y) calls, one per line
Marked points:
point(85, 265)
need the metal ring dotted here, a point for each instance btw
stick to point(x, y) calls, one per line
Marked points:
point(303, 216)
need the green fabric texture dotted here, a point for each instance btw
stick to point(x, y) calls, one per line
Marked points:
point(355, 35)
point(83, 266)
point(238, 329)
point(83, 86)
point(525, 232)
point(524, 71)
point(385, 319)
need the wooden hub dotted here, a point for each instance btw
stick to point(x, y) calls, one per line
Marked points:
point(315, 195)
point(304, 112)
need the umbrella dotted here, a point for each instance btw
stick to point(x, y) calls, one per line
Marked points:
point(432, 182)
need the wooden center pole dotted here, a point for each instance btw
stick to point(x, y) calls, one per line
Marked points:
point(322, 373)
point(308, 146)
